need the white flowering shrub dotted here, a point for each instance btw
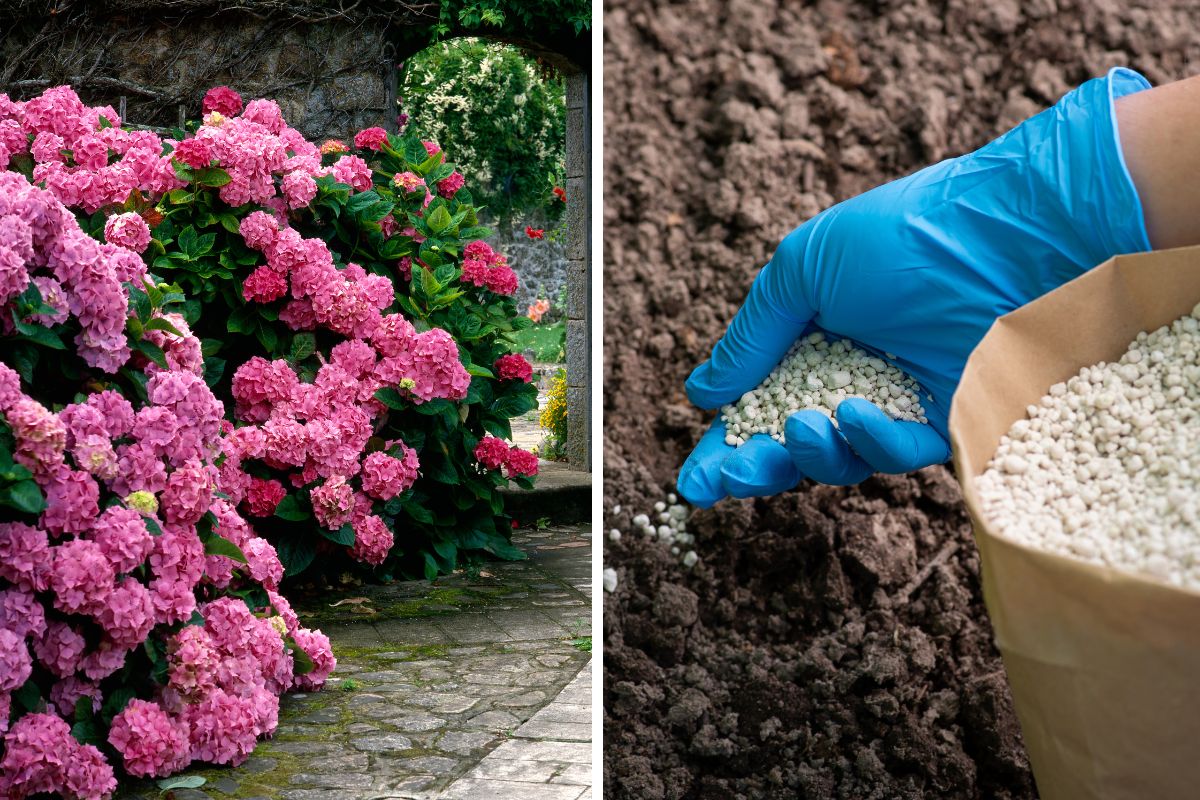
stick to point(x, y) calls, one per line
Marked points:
point(499, 112)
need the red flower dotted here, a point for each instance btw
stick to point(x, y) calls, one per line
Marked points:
point(560, 193)
point(535, 233)
point(514, 367)
point(223, 100)
point(263, 497)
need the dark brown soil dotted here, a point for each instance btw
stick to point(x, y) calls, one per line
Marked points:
point(832, 643)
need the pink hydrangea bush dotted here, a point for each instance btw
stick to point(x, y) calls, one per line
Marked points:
point(297, 251)
point(130, 546)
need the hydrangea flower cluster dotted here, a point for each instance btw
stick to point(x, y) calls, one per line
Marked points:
point(494, 453)
point(484, 267)
point(316, 434)
point(72, 146)
point(40, 241)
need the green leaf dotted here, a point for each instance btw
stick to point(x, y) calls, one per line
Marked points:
point(153, 352)
point(25, 496)
point(343, 535)
point(439, 220)
point(392, 398)
point(38, 334)
point(480, 372)
point(477, 232)
point(218, 545)
point(188, 242)
point(214, 368)
point(302, 663)
point(289, 508)
point(84, 730)
point(160, 324)
point(24, 359)
point(229, 222)
point(182, 171)
point(303, 346)
point(29, 697)
point(242, 320)
point(431, 567)
point(211, 176)
point(115, 703)
point(210, 347)
point(502, 548)
point(296, 551)
point(267, 336)
point(181, 782)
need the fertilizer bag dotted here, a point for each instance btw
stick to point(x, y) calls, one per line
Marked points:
point(1104, 665)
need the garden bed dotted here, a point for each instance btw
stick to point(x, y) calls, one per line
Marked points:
point(831, 642)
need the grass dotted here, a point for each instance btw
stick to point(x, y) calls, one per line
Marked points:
point(583, 644)
point(548, 342)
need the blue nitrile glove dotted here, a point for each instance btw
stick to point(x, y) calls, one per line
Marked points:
point(920, 268)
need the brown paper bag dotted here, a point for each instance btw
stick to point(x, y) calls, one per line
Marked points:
point(1104, 666)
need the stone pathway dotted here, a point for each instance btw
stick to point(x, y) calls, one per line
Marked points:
point(527, 432)
point(472, 686)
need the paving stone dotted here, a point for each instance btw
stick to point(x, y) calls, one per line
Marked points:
point(565, 712)
point(494, 720)
point(361, 727)
point(507, 770)
point(445, 703)
point(529, 750)
point(464, 742)
point(334, 780)
point(472, 789)
point(256, 765)
point(303, 748)
point(224, 784)
point(416, 721)
point(561, 731)
point(577, 774)
point(522, 699)
point(382, 743)
point(438, 765)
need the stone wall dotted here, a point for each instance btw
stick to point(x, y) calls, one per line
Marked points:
point(579, 288)
point(330, 78)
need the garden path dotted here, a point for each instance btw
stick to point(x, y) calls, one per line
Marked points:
point(475, 685)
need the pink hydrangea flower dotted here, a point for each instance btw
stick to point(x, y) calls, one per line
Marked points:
point(385, 476)
point(37, 749)
point(370, 138)
point(127, 230)
point(298, 189)
point(333, 502)
point(316, 645)
point(409, 182)
point(264, 496)
point(262, 562)
point(21, 612)
point(192, 671)
point(222, 728)
point(354, 172)
point(106, 659)
point(123, 538)
point(264, 285)
point(88, 775)
point(60, 649)
point(259, 229)
point(372, 539)
point(447, 187)
point(128, 614)
point(15, 663)
point(223, 100)
point(188, 493)
point(432, 148)
point(521, 462)
point(491, 452)
point(81, 577)
point(258, 385)
point(25, 555)
point(151, 743)
point(194, 152)
point(501, 280)
point(514, 367)
point(67, 692)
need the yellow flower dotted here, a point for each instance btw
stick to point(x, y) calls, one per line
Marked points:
point(144, 502)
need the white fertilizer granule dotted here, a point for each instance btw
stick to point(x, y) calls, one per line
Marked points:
point(819, 374)
point(667, 526)
point(1106, 468)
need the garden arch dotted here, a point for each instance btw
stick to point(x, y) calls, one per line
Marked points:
point(331, 67)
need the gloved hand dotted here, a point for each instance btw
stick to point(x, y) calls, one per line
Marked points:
point(919, 268)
